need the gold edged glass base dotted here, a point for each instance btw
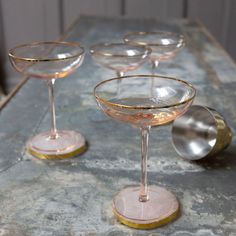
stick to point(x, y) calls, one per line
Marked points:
point(161, 208)
point(65, 145)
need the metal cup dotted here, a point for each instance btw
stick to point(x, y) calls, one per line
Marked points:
point(201, 132)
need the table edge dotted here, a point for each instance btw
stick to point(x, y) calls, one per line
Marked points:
point(214, 40)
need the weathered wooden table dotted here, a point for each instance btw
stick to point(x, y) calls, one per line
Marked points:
point(73, 197)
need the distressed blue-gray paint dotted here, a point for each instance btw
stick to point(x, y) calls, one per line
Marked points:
point(73, 197)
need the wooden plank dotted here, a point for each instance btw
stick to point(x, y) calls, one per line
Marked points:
point(112, 7)
point(73, 8)
point(159, 9)
point(6, 99)
point(3, 78)
point(215, 42)
point(29, 20)
point(231, 32)
point(51, 21)
point(26, 21)
point(74, 196)
point(174, 9)
point(212, 13)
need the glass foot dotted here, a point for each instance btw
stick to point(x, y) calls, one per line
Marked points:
point(161, 208)
point(65, 144)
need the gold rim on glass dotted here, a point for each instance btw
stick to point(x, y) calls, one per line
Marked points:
point(156, 223)
point(58, 156)
point(74, 44)
point(140, 42)
point(93, 50)
point(143, 107)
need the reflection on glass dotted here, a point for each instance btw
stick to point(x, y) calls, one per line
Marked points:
point(144, 206)
point(120, 57)
point(50, 61)
point(164, 45)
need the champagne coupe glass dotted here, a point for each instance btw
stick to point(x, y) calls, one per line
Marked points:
point(164, 45)
point(120, 57)
point(144, 206)
point(50, 61)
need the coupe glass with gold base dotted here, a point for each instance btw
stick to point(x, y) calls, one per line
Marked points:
point(144, 206)
point(50, 61)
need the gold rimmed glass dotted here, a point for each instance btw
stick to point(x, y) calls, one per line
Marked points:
point(164, 45)
point(144, 206)
point(120, 57)
point(50, 61)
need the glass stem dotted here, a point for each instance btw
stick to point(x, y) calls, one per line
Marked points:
point(154, 66)
point(119, 74)
point(52, 108)
point(143, 195)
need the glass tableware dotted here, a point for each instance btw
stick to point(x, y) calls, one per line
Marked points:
point(164, 45)
point(200, 133)
point(120, 57)
point(144, 206)
point(50, 61)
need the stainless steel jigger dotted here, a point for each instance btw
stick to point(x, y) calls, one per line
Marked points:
point(200, 132)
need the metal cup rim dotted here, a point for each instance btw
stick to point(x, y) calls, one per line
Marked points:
point(217, 145)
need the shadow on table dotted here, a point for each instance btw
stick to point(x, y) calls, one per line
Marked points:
point(223, 160)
